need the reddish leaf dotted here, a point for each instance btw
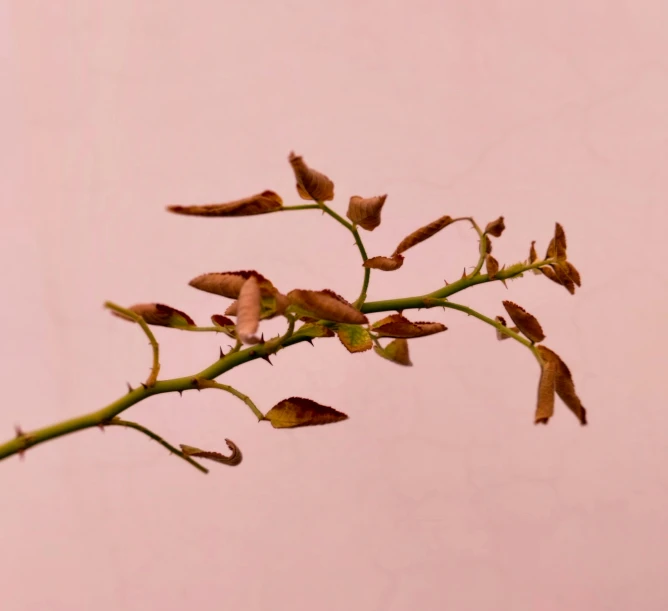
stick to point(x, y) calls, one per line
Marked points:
point(159, 314)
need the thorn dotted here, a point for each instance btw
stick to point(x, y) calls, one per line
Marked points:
point(195, 382)
point(130, 389)
point(266, 358)
point(144, 385)
point(262, 338)
point(446, 282)
point(310, 341)
point(101, 426)
point(221, 352)
point(180, 393)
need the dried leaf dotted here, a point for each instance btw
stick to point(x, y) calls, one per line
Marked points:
point(248, 318)
point(560, 241)
point(270, 306)
point(561, 273)
point(228, 284)
point(354, 337)
point(159, 314)
point(297, 411)
point(398, 326)
point(496, 227)
point(365, 212)
point(397, 352)
point(533, 255)
point(492, 266)
point(422, 234)
point(527, 323)
point(573, 273)
point(310, 183)
point(500, 335)
point(261, 203)
point(314, 330)
point(386, 264)
point(222, 321)
point(546, 388)
point(564, 384)
point(488, 245)
point(232, 460)
point(328, 305)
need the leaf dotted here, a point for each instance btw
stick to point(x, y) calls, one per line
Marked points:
point(314, 330)
point(422, 234)
point(557, 246)
point(261, 203)
point(533, 256)
point(564, 384)
point(228, 284)
point(232, 460)
point(496, 227)
point(386, 264)
point(248, 317)
point(270, 306)
point(396, 351)
point(328, 305)
point(221, 321)
point(562, 276)
point(573, 273)
point(488, 246)
point(354, 337)
point(546, 388)
point(365, 212)
point(398, 326)
point(492, 266)
point(297, 411)
point(527, 323)
point(159, 314)
point(499, 334)
point(310, 183)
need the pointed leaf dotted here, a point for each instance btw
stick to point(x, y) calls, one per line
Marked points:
point(314, 330)
point(564, 384)
point(232, 460)
point(248, 318)
point(386, 264)
point(546, 389)
point(328, 305)
point(159, 314)
point(492, 266)
point(228, 284)
point(310, 183)
point(397, 352)
point(261, 203)
point(573, 273)
point(221, 321)
point(365, 212)
point(495, 227)
point(398, 326)
point(354, 337)
point(533, 255)
point(527, 323)
point(422, 234)
point(297, 411)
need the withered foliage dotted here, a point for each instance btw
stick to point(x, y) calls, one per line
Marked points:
point(311, 184)
point(365, 212)
point(327, 305)
point(228, 284)
point(399, 326)
point(492, 266)
point(527, 323)
point(297, 411)
point(159, 314)
point(495, 227)
point(422, 234)
point(385, 264)
point(396, 351)
point(500, 335)
point(234, 459)
point(261, 203)
point(563, 385)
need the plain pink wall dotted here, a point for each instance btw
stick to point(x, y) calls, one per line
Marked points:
point(438, 493)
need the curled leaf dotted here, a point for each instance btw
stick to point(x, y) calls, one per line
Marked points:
point(564, 384)
point(499, 334)
point(326, 304)
point(248, 317)
point(354, 337)
point(573, 273)
point(261, 203)
point(159, 314)
point(232, 460)
point(297, 411)
point(557, 246)
point(533, 256)
point(396, 351)
point(310, 183)
point(228, 284)
point(496, 227)
point(386, 264)
point(546, 388)
point(422, 234)
point(488, 245)
point(399, 326)
point(221, 321)
point(563, 277)
point(527, 323)
point(365, 212)
point(492, 266)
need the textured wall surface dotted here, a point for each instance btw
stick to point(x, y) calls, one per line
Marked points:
point(438, 492)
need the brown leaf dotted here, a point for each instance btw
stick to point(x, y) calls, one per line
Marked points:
point(496, 227)
point(232, 460)
point(499, 334)
point(261, 203)
point(248, 317)
point(396, 351)
point(573, 273)
point(328, 305)
point(297, 411)
point(527, 323)
point(159, 314)
point(557, 246)
point(398, 326)
point(492, 266)
point(422, 234)
point(564, 384)
point(270, 306)
point(533, 255)
point(221, 321)
point(488, 245)
point(386, 264)
point(228, 284)
point(562, 275)
point(310, 183)
point(546, 388)
point(365, 212)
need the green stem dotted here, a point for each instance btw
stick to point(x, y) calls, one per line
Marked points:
point(203, 383)
point(142, 429)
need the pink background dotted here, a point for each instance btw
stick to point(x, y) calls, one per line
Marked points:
point(438, 493)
